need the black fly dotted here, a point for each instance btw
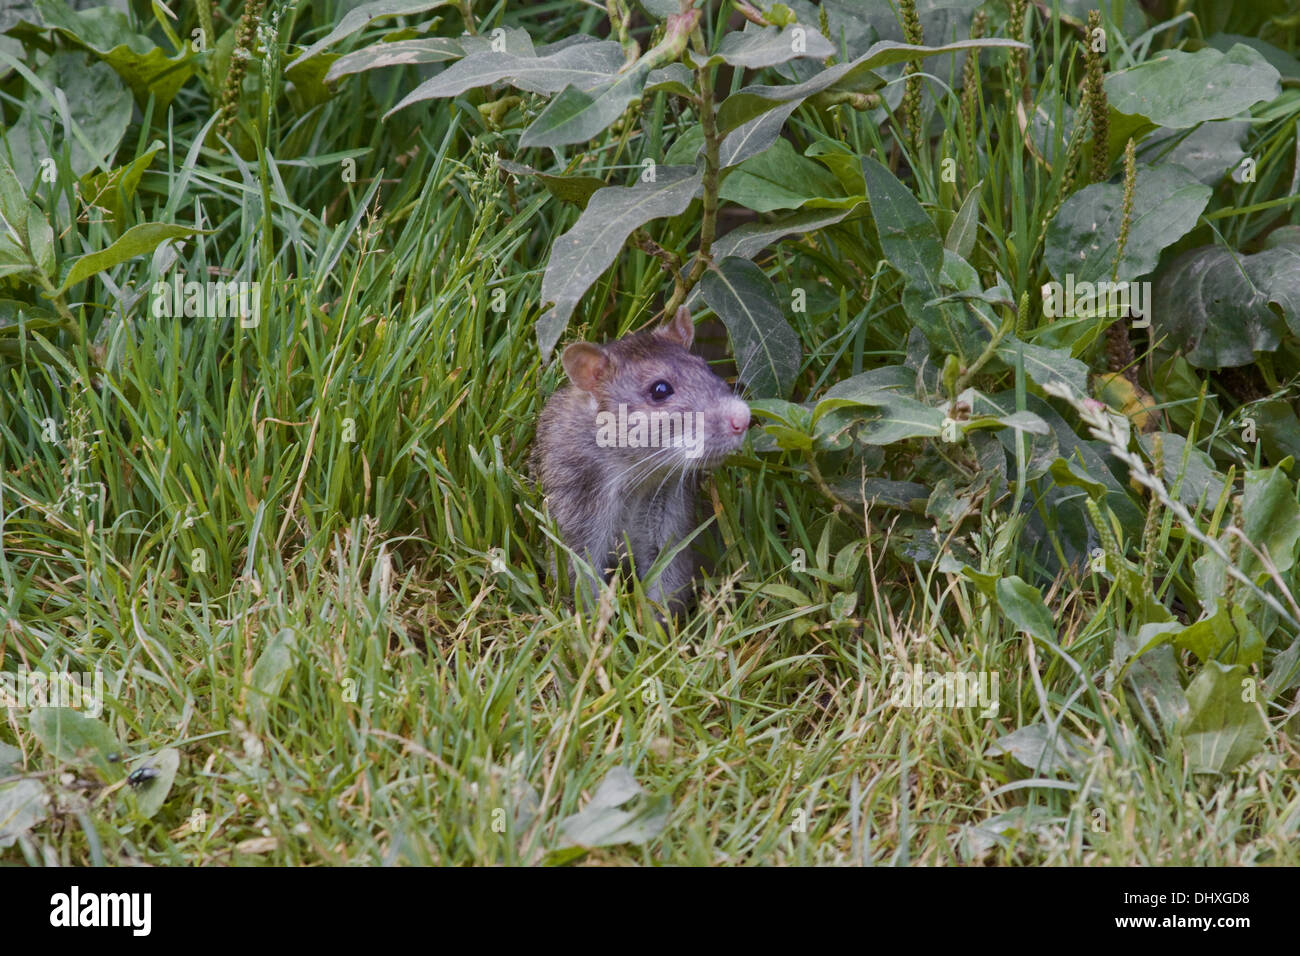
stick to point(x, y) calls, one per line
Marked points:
point(141, 776)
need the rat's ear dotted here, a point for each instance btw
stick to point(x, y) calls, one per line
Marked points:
point(681, 329)
point(588, 365)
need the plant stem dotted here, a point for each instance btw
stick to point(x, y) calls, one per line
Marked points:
point(964, 379)
point(712, 147)
point(820, 482)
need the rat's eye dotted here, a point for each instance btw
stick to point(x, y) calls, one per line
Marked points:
point(660, 390)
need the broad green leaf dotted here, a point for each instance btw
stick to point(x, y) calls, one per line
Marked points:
point(1200, 482)
point(784, 592)
point(960, 324)
point(111, 191)
point(900, 495)
point(842, 605)
point(515, 40)
point(767, 350)
point(1270, 518)
point(1270, 522)
point(1152, 635)
point(306, 88)
point(1248, 647)
point(965, 226)
point(1222, 730)
point(1026, 422)
point(1179, 90)
point(13, 205)
point(365, 14)
point(1286, 64)
point(22, 806)
point(1150, 672)
point(841, 407)
point(136, 241)
point(580, 255)
point(1068, 474)
point(1121, 127)
point(1283, 236)
point(602, 823)
point(747, 104)
point(509, 788)
point(272, 669)
point(11, 759)
point(756, 47)
point(398, 53)
point(575, 116)
point(1041, 750)
point(99, 107)
point(787, 438)
point(1283, 674)
point(152, 792)
point(986, 583)
point(106, 32)
point(574, 188)
point(779, 410)
point(584, 66)
point(1127, 14)
point(1011, 830)
point(14, 266)
point(779, 178)
point(40, 238)
point(1218, 304)
point(686, 149)
point(71, 737)
point(9, 47)
point(908, 237)
point(1023, 605)
point(1040, 450)
point(1206, 637)
point(1177, 387)
point(750, 139)
point(843, 162)
point(865, 387)
point(949, 504)
point(672, 78)
point(953, 325)
point(1044, 365)
point(753, 237)
point(1277, 428)
point(1210, 152)
point(752, 101)
point(661, 9)
point(899, 419)
point(1082, 238)
point(848, 560)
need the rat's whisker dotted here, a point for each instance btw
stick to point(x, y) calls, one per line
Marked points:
point(742, 374)
point(646, 465)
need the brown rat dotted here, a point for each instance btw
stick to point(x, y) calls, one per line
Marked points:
point(619, 451)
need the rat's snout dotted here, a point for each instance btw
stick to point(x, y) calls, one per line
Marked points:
point(736, 415)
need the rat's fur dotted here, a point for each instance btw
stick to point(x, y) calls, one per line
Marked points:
point(598, 495)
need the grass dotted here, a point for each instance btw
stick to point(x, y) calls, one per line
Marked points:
point(312, 561)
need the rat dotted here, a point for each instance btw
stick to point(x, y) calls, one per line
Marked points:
point(620, 451)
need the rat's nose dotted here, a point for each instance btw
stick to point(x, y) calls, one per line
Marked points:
point(738, 417)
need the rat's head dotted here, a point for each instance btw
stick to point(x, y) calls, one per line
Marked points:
point(655, 401)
